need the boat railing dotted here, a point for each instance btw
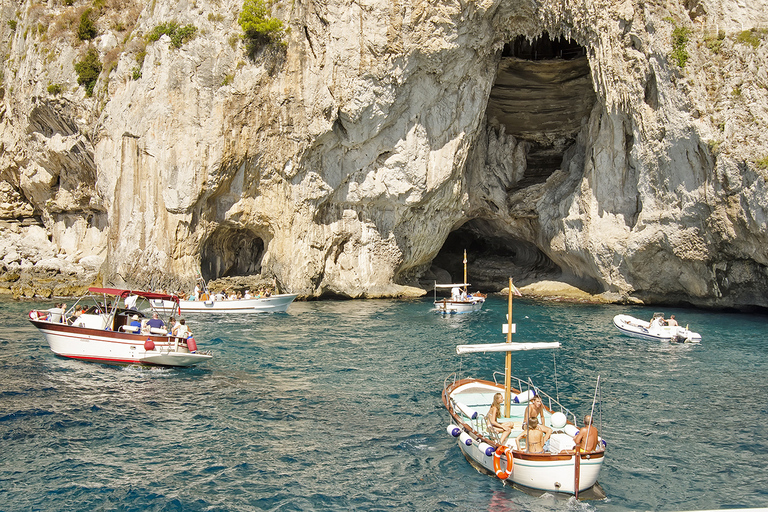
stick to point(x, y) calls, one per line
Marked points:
point(551, 403)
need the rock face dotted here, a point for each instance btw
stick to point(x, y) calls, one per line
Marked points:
point(549, 139)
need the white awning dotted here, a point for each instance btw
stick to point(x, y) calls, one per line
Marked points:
point(505, 347)
point(457, 285)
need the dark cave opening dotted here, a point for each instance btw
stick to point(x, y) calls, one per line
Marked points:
point(493, 256)
point(543, 48)
point(230, 252)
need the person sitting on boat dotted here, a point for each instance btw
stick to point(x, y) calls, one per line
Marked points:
point(247, 294)
point(493, 418)
point(182, 331)
point(672, 321)
point(535, 408)
point(536, 436)
point(586, 439)
point(135, 322)
point(658, 321)
point(268, 292)
point(172, 324)
point(79, 310)
point(156, 322)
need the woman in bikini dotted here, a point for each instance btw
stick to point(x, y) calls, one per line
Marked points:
point(493, 418)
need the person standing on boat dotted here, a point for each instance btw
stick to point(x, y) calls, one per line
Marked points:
point(535, 408)
point(493, 418)
point(182, 331)
point(672, 321)
point(586, 439)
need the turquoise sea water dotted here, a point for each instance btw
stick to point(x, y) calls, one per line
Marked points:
point(336, 406)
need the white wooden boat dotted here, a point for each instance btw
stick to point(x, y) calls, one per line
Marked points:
point(559, 469)
point(103, 333)
point(654, 330)
point(273, 304)
point(460, 301)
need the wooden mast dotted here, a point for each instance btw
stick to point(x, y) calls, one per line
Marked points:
point(508, 361)
point(465, 271)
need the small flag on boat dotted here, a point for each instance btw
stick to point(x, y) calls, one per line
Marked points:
point(516, 291)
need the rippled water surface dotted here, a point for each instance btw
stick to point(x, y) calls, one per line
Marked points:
point(336, 406)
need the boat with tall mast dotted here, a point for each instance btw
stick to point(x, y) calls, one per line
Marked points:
point(460, 301)
point(563, 467)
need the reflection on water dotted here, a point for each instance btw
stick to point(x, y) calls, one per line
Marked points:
point(335, 405)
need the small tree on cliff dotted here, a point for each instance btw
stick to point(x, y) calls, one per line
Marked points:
point(259, 28)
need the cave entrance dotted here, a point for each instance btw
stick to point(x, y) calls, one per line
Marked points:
point(542, 95)
point(230, 252)
point(493, 256)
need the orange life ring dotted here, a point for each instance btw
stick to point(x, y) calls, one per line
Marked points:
point(503, 475)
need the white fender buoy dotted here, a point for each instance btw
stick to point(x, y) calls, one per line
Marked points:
point(524, 396)
point(464, 437)
point(486, 449)
point(468, 411)
point(559, 420)
point(453, 430)
point(571, 430)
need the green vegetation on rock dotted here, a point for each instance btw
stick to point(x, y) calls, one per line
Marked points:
point(88, 70)
point(259, 28)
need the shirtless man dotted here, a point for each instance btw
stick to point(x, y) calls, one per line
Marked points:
point(535, 408)
point(536, 435)
point(493, 418)
point(672, 320)
point(586, 439)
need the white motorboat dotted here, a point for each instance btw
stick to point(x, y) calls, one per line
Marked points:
point(272, 304)
point(103, 332)
point(460, 301)
point(561, 468)
point(655, 330)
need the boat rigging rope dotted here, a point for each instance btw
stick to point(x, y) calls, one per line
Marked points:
point(557, 389)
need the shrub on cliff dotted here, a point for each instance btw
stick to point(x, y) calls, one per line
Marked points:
point(179, 35)
point(679, 45)
point(88, 70)
point(87, 29)
point(258, 27)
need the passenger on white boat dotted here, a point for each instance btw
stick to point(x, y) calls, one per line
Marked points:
point(586, 439)
point(135, 322)
point(182, 331)
point(536, 436)
point(493, 418)
point(197, 293)
point(56, 313)
point(535, 408)
point(658, 321)
point(156, 322)
point(455, 293)
point(672, 321)
point(247, 294)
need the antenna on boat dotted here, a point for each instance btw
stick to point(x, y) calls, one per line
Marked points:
point(508, 360)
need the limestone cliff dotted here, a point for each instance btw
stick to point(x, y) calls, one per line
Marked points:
point(614, 145)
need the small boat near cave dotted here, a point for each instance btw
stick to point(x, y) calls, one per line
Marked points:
point(103, 332)
point(460, 301)
point(561, 468)
point(654, 330)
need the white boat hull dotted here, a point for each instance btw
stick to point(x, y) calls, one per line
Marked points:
point(448, 306)
point(560, 472)
point(273, 304)
point(641, 329)
point(117, 347)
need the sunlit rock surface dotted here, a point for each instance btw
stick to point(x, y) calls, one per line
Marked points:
point(554, 141)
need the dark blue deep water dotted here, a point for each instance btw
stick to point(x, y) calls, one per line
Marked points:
point(336, 406)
